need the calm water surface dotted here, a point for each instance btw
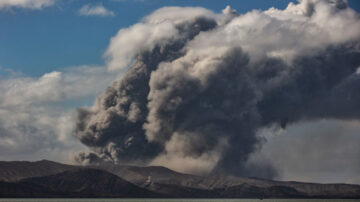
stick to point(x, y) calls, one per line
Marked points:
point(179, 200)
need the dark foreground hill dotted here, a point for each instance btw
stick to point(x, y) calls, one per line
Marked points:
point(85, 182)
point(51, 179)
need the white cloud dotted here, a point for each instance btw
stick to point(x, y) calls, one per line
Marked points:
point(37, 114)
point(156, 29)
point(284, 33)
point(95, 10)
point(178, 15)
point(30, 4)
point(129, 41)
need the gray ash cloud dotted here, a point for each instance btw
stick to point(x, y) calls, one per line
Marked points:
point(194, 97)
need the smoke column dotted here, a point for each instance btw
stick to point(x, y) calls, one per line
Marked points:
point(198, 85)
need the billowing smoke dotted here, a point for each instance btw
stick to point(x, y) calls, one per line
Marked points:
point(199, 85)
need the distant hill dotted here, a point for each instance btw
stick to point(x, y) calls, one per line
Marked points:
point(16, 170)
point(47, 178)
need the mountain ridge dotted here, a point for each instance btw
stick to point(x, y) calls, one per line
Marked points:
point(157, 180)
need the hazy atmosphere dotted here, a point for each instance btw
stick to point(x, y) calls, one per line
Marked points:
point(267, 88)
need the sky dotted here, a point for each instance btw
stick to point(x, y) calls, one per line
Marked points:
point(30, 36)
point(59, 55)
point(33, 35)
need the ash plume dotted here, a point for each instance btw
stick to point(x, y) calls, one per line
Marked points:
point(198, 85)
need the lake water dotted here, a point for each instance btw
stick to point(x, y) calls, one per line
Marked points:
point(179, 200)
